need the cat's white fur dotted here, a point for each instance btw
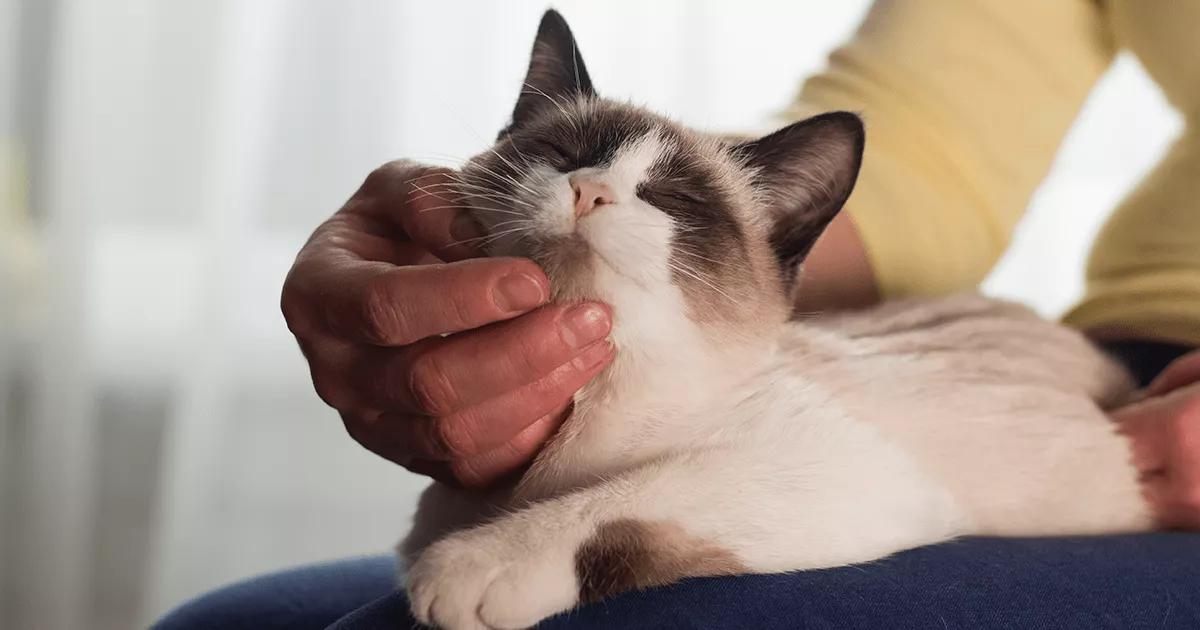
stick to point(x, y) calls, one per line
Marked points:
point(810, 444)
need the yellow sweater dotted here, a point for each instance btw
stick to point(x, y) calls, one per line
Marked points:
point(966, 103)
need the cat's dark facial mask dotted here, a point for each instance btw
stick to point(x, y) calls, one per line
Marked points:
point(622, 205)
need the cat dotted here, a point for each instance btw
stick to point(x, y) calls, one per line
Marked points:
point(728, 437)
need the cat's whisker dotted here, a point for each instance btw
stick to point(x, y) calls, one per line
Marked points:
point(503, 224)
point(506, 178)
point(490, 194)
point(426, 192)
point(561, 108)
point(499, 211)
point(496, 204)
point(504, 210)
point(452, 194)
point(431, 175)
point(473, 209)
point(513, 200)
point(445, 207)
point(448, 161)
point(479, 184)
point(697, 277)
point(489, 238)
point(691, 253)
point(461, 185)
point(517, 232)
point(524, 159)
point(508, 162)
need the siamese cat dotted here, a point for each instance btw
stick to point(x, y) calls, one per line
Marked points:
point(728, 437)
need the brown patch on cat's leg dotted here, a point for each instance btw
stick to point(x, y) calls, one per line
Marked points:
point(627, 554)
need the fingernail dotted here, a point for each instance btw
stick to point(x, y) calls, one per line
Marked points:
point(519, 292)
point(464, 228)
point(584, 324)
point(593, 356)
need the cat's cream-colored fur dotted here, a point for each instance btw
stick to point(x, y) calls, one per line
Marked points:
point(728, 438)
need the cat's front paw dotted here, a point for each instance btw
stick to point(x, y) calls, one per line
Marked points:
point(487, 578)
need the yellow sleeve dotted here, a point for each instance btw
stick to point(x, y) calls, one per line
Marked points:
point(1143, 279)
point(965, 102)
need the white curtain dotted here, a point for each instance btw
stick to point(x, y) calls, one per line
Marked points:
point(160, 426)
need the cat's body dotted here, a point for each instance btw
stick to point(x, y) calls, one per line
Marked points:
point(725, 438)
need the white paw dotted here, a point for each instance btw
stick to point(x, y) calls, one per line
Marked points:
point(487, 579)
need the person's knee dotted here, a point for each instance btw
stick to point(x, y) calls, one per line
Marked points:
point(306, 597)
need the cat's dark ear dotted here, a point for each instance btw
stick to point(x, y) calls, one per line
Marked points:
point(556, 71)
point(807, 171)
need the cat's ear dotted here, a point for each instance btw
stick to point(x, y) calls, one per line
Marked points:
point(807, 171)
point(556, 72)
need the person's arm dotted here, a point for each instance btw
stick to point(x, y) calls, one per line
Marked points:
point(965, 103)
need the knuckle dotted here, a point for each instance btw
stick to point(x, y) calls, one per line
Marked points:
point(558, 384)
point(453, 438)
point(290, 305)
point(464, 300)
point(375, 379)
point(355, 426)
point(388, 174)
point(468, 474)
point(429, 387)
point(462, 308)
point(533, 358)
point(383, 321)
point(330, 390)
point(545, 395)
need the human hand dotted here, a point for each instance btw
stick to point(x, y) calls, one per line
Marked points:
point(370, 296)
point(1164, 430)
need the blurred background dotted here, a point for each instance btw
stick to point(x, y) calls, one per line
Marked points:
point(162, 161)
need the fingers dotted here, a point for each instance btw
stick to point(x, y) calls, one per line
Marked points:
point(466, 369)
point(346, 282)
point(492, 423)
point(1140, 423)
point(436, 217)
point(383, 305)
point(485, 440)
point(1164, 434)
point(483, 469)
point(470, 407)
point(1180, 372)
point(423, 201)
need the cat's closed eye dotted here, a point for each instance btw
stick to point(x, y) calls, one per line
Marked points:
point(665, 195)
point(556, 156)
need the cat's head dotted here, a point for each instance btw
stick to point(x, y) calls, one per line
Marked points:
point(681, 232)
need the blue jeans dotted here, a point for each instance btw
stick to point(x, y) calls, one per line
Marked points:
point(1119, 582)
point(1139, 581)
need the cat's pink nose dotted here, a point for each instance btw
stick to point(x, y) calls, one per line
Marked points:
point(589, 195)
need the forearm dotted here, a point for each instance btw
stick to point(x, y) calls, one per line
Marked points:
point(837, 274)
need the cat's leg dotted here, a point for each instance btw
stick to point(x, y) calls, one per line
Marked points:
point(704, 514)
point(440, 511)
